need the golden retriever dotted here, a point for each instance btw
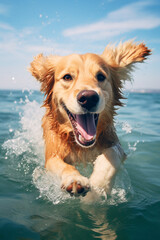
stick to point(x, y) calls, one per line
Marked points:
point(82, 93)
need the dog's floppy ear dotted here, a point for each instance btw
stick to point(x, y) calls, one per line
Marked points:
point(121, 60)
point(124, 56)
point(43, 68)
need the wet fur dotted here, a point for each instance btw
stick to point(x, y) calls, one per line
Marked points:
point(61, 149)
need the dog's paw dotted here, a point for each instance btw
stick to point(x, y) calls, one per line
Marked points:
point(76, 185)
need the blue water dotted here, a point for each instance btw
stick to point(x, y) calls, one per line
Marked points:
point(32, 205)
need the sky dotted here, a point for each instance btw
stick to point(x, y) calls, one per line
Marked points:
point(60, 27)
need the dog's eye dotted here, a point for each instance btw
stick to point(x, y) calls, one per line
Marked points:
point(67, 77)
point(100, 77)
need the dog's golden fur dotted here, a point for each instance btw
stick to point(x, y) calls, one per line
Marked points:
point(61, 148)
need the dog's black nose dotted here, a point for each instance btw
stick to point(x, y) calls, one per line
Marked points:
point(88, 99)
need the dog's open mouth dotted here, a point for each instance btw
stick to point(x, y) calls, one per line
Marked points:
point(84, 127)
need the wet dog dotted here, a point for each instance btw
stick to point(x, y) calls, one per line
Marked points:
point(82, 94)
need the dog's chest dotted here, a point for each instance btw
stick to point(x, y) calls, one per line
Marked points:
point(82, 156)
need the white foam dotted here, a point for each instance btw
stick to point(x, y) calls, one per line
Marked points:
point(122, 189)
point(121, 192)
point(126, 127)
point(28, 137)
point(49, 186)
point(133, 147)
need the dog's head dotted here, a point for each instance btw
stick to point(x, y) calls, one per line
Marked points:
point(85, 89)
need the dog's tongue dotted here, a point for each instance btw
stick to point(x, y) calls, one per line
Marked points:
point(86, 126)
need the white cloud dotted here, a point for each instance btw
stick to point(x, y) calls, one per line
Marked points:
point(27, 42)
point(51, 48)
point(130, 10)
point(6, 26)
point(18, 46)
point(126, 19)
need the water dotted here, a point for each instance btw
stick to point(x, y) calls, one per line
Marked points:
point(32, 205)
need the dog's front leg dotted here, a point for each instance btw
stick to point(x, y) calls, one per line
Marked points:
point(71, 180)
point(105, 168)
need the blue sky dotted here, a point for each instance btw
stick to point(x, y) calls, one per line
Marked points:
point(62, 27)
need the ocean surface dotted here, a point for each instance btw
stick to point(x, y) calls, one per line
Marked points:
point(32, 205)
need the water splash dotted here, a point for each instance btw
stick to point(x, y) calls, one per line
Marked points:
point(49, 186)
point(133, 147)
point(122, 190)
point(25, 150)
point(28, 137)
point(126, 127)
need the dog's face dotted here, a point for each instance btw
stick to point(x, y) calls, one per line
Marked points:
point(86, 88)
point(83, 91)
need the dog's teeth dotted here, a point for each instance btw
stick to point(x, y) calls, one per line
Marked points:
point(94, 137)
point(81, 139)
